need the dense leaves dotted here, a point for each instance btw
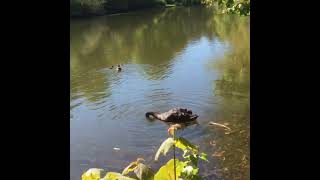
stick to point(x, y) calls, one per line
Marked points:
point(241, 7)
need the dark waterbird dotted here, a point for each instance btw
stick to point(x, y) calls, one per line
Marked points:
point(118, 67)
point(173, 115)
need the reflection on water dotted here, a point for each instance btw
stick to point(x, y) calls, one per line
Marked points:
point(186, 57)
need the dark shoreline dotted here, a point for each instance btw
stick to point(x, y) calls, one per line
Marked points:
point(118, 12)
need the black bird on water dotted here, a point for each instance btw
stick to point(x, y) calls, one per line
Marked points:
point(118, 68)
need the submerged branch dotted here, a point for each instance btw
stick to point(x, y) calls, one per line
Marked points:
point(219, 125)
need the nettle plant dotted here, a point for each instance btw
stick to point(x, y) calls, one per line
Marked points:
point(185, 168)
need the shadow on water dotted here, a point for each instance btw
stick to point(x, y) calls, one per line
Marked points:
point(171, 58)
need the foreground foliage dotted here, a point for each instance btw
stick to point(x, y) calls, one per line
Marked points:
point(175, 168)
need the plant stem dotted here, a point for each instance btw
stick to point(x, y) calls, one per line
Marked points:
point(174, 155)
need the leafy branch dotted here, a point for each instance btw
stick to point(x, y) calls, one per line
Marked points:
point(186, 169)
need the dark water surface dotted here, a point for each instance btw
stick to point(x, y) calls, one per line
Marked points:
point(185, 57)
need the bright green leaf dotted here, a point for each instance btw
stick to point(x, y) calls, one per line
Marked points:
point(184, 144)
point(93, 174)
point(203, 156)
point(167, 171)
point(164, 148)
point(131, 167)
point(116, 176)
point(195, 171)
point(185, 152)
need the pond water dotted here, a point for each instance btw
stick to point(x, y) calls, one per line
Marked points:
point(174, 57)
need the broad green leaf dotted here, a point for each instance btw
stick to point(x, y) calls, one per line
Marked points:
point(93, 174)
point(166, 172)
point(164, 148)
point(131, 167)
point(184, 144)
point(143, 172)
point(116, 176)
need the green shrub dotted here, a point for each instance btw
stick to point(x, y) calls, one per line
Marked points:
point(241, 7)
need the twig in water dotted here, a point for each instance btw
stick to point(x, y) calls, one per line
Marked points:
point(220, 125)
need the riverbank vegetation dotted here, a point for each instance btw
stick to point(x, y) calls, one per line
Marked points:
point(240, 7)
point(101, 7)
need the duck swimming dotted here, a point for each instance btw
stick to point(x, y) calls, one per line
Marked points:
point(119, 68)
point(174, 115)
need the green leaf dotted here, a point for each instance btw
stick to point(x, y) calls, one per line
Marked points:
point(166, 172)
point(143, 172)
point(203, 156)
point(195, 171)
point(164, 148)
point(93, 174)
point(185, 152)
point(190, 173)
point(116, 176)
point(131, 167)
point(184, 144)
point(195, 177)
point(194, 159)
